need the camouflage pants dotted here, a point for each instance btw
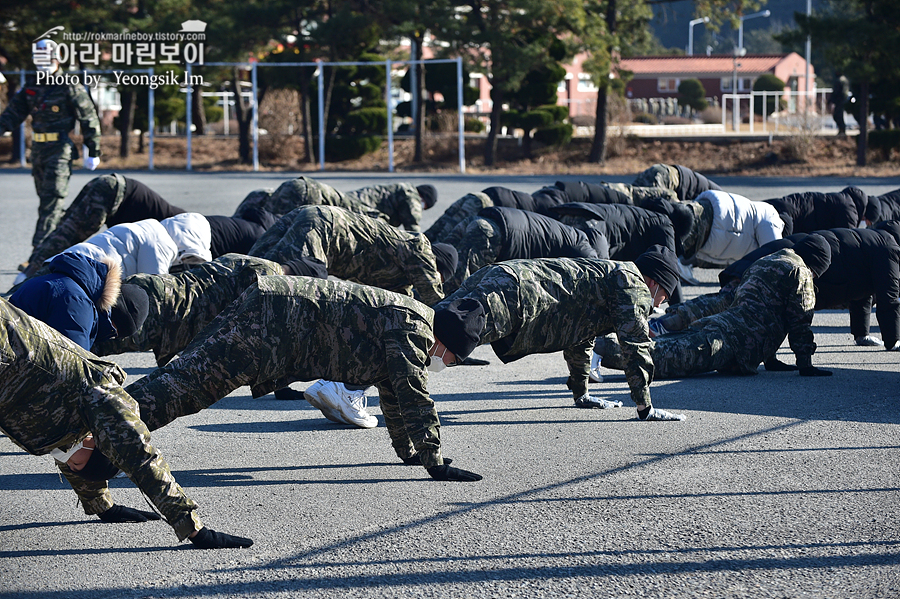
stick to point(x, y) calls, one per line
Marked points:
point(658, 175)
point(83, 218)
point(640, 195)
point(480, 246)
point(51, 168)
point(462, 209)
point(676, 355)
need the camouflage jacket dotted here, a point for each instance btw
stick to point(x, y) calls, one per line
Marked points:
point(285, 329)
point(775, 298)
point(357, 248)
point(182, 304)
point(552, 304)
point(54, 109)
point(53, 393)
point(399, 203)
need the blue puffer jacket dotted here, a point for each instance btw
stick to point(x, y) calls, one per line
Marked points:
point(75, 298)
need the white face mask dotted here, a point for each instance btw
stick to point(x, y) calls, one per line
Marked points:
point(655, 293)
point(437, 364)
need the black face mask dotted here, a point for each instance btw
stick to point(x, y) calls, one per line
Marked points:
point(98, 468)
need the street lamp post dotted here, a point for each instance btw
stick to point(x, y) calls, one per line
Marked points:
point(690, 48)
point(765, 13)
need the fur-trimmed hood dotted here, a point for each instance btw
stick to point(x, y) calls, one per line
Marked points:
point(100, 279)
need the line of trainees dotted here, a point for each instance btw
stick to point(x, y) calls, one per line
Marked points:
point(345, 290)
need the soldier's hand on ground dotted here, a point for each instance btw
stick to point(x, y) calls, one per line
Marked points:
point(415, 460)
point(207, 538)
point(656, 415)
point(91, 162)
point(813, 371)
point(120, 513)
point(445, 472)
point(776, 365)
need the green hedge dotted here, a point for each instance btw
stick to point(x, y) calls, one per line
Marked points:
point(558, 134)
point(339, 148)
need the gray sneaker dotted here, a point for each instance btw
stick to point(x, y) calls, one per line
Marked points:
point(589, 402)
point(312, 396)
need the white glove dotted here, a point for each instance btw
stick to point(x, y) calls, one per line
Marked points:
point(91, 162)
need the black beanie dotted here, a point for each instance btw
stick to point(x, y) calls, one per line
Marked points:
point(659, 263)
point(873, 210)
point(459, 326)
point(788, 224)
point(446, 258)
point(98, 468)
point(428, 194)
point(816, 253)
point(130, 310)
point(307, 266)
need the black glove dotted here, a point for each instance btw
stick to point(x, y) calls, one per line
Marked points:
point(288, 394)
point(120, 513)
point(470, 361)
point(445, 472)
point(210, 539)
point(776, 365)
point(813, 371)
point(414, 460)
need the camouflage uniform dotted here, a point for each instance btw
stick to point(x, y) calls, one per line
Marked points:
point(182, 304)
point(702, 211)
point(355, 247)
point(399, 203)
point(639, 195)
point(461, 210)
point(54, 110)
point(480, 245)
point(665, 176)
point(681, 315)
point(551, 304)
point(90, 209)
point(775, 299)
point(286, 329)
point(53, 393)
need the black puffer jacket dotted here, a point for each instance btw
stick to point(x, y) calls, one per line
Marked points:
point(531, 235)
point(692, 184)
point(864, 263)
point(884, 207)
point(509, 198)
point(813, 211)
point(231, 234)
point(589, 193)
point(628, 229)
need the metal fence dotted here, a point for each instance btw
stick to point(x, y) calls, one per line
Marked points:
point(253, 97)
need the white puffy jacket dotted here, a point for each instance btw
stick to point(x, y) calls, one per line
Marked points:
point(739, 226)
point(144, 246)
point(193, 236)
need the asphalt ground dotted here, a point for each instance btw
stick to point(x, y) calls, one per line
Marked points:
point(775, 485)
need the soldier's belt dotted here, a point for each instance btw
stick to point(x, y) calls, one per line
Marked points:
point(42, 137)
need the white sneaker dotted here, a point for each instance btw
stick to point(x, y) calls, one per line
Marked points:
point(594, 373)
point(315, 400)
point(869, 341)
point(352, 405)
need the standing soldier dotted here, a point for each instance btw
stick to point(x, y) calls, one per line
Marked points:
point(840, 93)
point(550, 305)
point(54, 108)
